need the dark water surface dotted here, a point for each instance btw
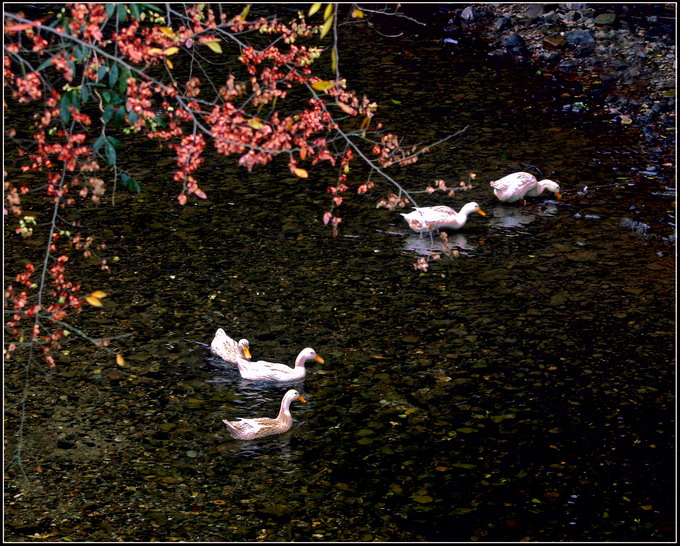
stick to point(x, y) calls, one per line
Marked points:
point(524, 390)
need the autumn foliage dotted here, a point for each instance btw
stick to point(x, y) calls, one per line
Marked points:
point(94, 73)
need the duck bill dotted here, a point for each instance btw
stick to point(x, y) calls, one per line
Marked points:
point(246, 352)
point(558, 195)
point(300, 398)
point(481, 212)
point(318, 359)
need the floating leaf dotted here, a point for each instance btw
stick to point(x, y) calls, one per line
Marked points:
point(255, 123)
point(300, 172)
point(346, 108)
point(215, 46)
point(422, 498)
point(120, 360)
point(167, 31)
point(94, 302)
point(99, 294)
point(313, 9)
point(326, 27)
point(323, 85)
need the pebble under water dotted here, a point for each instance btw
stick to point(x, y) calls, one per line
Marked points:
point(522, 390)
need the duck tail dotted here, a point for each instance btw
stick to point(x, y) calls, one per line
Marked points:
point(232, 430)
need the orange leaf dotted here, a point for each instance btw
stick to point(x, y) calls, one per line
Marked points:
point(167, 31)
point(120, 360)
point(169, 64)
point(99, 294)
point(346, 108)
point(95, 302)
point(300, 172)
point(357, 13)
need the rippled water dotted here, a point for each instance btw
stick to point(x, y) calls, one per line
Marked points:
point(522, 390)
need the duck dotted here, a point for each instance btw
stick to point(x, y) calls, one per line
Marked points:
point(228, 349)
point(424, 219)
point(517, 186)
point(261, 369)
point(251, 429)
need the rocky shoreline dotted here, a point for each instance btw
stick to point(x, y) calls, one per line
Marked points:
point(624, 53)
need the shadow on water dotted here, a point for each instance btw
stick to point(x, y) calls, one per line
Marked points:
point(521, 390)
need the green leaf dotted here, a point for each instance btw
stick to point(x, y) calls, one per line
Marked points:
point(122, 81)
point(152, 7)
point(114, 141)
point(63, 107)
point(44, 64)
point(108, 113)
point(102, 72)
point(113, 75)
point(110, 153)
point(84, 93)
point(132, 117)
point(110, 8)
point(78, 53)
point(98, 143)
point(134, 10)
point(75, 99)
point(122, 15)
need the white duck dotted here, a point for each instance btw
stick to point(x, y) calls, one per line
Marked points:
point(425, 219)
point(251, 429)
point(262, 369)
point(516, 186)
point(228, 349)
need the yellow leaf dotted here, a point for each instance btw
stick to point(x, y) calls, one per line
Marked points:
point(300, 172)
point(155, 51)
point(326, 27)
point(167, 31)
point(245, 12)
point(171, 51)
point(357, 13)
point(215, 46)
point(323, 85)
point(120, 360)
point(334, 59)
point(99, 294)
point(255, 123)
point(94, 301)
point(169, 64)
point(315, 7)
point(328, 11)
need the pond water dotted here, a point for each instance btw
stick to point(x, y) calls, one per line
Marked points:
point(521, 390)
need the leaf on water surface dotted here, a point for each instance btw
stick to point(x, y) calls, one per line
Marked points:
point(423, 499)
point(466, 466)
point(215, 46)
point(314, 8)
point(300, 172)
point(466, 430)
point(95, 302)
point(323, 85)
point(120, 360)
